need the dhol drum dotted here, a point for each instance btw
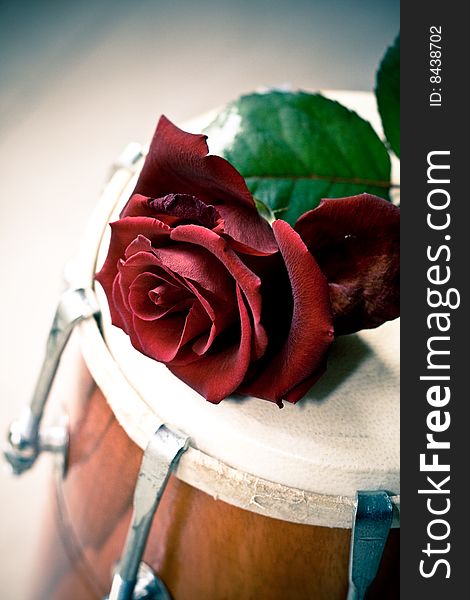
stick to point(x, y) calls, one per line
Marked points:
point(182, 499)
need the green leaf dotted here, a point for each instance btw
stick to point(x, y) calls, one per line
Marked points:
point(387, 90)
point(264, 211)
point(293, 149)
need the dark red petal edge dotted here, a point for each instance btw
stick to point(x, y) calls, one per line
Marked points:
point(178, 163)
point(216, 377)
point(356, 242)
point(123, 233)
point(248, 282)
point(302, 358)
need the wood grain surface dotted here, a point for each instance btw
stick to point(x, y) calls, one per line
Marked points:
point(202, 548)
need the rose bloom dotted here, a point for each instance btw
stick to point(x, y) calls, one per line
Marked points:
point(201, 282)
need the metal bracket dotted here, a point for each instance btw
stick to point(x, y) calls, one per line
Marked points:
point(373, 516)
point(160, 458)
point(129, 158)
point(148, 586)
point(25, 440)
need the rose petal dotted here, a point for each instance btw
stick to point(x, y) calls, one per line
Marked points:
point(249, 283)
point(123, 233)
point(216, 376)
point(299, 391)
point(199, 265)
point(221, 313)
point(145, 263)
point(141, 303)
point(311, 332)
point(248, 232)
point(197, 322)
point(356, 243)
point(138, 298)
point(160, 339)
point(178, 163)
point(138, 261)
point(120, 313)
point(206, 277)
point(173, 209)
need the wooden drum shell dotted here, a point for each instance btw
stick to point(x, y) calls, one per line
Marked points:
point(202, 548)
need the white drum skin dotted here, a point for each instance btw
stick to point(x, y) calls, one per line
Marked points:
point(302, 463)
point(261, 504)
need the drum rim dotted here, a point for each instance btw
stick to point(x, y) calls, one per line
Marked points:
point(196, 468)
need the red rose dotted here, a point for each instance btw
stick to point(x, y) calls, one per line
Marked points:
point(201, 282)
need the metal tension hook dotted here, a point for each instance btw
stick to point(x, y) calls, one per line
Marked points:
point(26, 440)
point(373, 516)
point(133, 579)
point(129, 158)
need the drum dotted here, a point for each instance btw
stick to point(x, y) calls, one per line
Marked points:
point(258, 502)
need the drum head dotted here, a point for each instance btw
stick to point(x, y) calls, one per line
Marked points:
point(343, 436)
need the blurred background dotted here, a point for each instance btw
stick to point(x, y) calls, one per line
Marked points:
point(79, 80)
